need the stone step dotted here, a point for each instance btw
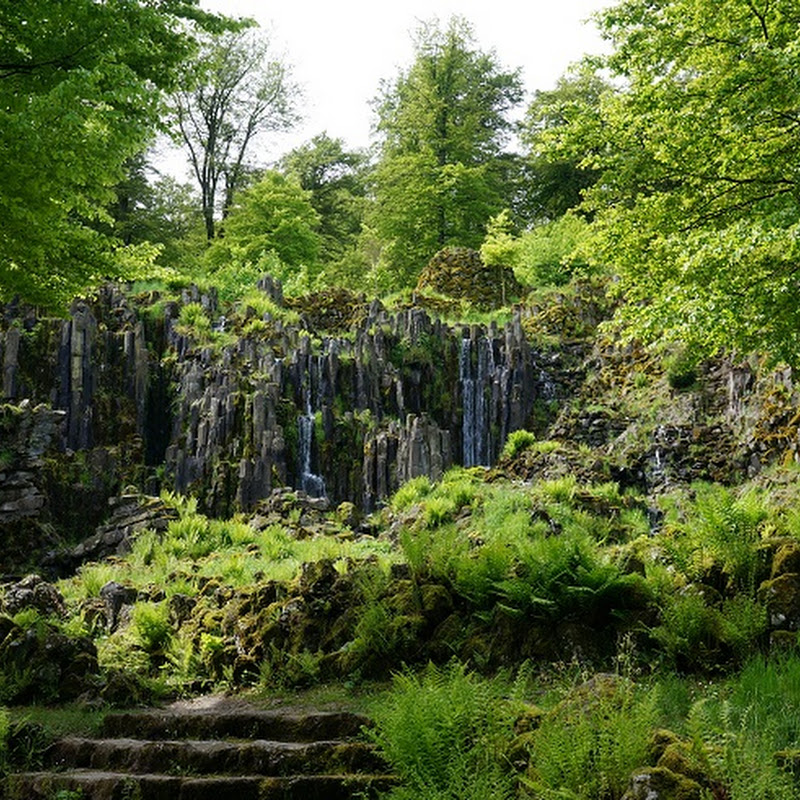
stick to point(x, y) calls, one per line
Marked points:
point(99, 785)
point(252, 757)
point(282, 726)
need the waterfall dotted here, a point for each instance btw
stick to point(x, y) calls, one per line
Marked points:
point(311, 483)
point(475, 380)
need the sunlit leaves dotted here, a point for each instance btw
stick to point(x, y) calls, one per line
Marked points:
point(699, 155)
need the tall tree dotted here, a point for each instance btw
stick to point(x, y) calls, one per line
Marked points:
point(443, 125)
point(555, 184)
point(335, 179)
point(81, 89)
point(698, 199)
point(235, 91)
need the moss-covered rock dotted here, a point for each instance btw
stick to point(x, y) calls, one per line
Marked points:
point(787, 559)
point(781, 595)
point(460, 272)
point(660, 783)
point(333, 310)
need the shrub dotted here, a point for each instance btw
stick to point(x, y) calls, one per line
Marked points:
point(151, 628)
point(193, 321)
point(749, 730)
point(516, 442)
point(546, 255)
point(445, 732)
point(589, 745)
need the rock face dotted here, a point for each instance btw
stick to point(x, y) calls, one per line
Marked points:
point(122, 393)
point(348, 416)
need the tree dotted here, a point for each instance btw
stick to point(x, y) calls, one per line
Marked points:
point(699, 160)
point(443, 125)
point(233, 93)
point(81, 90)
point(149, 207)
point(336, 182)
point(274, 215)
point(555, 184)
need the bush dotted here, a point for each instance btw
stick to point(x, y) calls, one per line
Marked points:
point(546, 255)
point(589, 745)
point(516, 442)
point(445, 732)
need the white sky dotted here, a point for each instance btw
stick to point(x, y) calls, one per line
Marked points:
point(340, 50)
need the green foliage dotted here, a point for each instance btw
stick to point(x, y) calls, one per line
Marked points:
point(681, 370)
point(234, 277)
point(558, 180)
point(411, 492)
point(722, 527)
point(502, 552)
point(499, 248)
point(5, 727)
point(193, 320)
point(81, 91)
point(589, 745)
point(441, 173)
point(549, 254)
point(336, 182)
point(444, 732)
point(273, 217)
point(516, 442)
point(151, 627)
point(695, 206)
point(743, 729)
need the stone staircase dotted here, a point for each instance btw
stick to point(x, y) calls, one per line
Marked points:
point(215, 750)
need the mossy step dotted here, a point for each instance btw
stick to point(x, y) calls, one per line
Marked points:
point(98, 785)
point(282, 726)
point(200, 757)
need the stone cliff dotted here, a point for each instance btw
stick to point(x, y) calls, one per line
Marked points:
point(132, 397)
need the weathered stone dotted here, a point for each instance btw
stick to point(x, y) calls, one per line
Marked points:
point(660, 783)
point(781, 596)
point(33, 592)
point(116, 597)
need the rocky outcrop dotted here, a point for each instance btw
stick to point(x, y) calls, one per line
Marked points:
point(130, 515)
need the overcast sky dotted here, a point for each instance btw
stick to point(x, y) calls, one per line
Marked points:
point(340, 50)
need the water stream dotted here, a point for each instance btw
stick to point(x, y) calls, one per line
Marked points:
point(475, 378)
point(311, 483)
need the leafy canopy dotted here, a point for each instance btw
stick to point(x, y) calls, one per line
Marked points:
point(444, 123)
point(699, 158)
point(273, 216)
point(81, 87)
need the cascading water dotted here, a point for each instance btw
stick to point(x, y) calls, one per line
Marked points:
point(311, 483)
point(475, 378)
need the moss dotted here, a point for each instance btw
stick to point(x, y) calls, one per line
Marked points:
point(460, 273)
point(664, 784)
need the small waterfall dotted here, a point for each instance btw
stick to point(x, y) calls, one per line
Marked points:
point(311, 483)
point(475, 380)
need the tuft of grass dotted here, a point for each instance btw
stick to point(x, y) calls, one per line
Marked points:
point(517, 442)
